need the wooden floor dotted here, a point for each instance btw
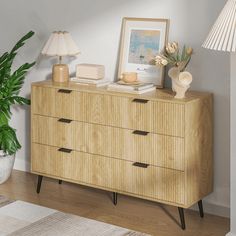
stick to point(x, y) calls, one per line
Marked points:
point(132, 213)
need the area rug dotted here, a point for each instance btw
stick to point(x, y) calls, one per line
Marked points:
point(19, 218)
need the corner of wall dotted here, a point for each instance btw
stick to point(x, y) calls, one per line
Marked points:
point(22, 165)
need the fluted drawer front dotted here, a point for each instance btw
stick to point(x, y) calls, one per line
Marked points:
point(53, 131)
point(133, 145)
point(141, 114)
point(168, 118)
point(56, 102)
point(137, 114)
point(50, 160)
point(125, 112)
point(124, 176)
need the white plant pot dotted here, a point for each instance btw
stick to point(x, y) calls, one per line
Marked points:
point(6, 166)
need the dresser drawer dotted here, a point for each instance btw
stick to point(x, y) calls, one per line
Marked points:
point(124, 112)
point(133, 113)
point(168, 118)
point(43, 101)
point(74, 165)
point(145, 115)
point(133, 145)
point(153, 182)
point(56, 102)
point(53, 131)
point(124, 176)
point(52, 161)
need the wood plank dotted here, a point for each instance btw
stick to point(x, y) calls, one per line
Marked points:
point(154, 182)
point(168, 119)
point(154, 149)
point(43, 101)
point(165, 95)
point(199, 149)
point(50, 131)
point(110, 110)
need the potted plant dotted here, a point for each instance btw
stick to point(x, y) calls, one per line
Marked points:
point(10, 86)
point(178, 59)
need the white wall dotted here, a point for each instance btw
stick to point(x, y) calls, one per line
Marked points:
point(233, 145)
point(95, 26)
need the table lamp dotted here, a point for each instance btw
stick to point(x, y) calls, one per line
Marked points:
point(60, 44)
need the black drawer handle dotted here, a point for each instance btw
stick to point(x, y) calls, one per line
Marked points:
point(139, 164)
point(64, 91)
point(143, 101)
point(65, 150)
point(64, 120)
point(139, 132)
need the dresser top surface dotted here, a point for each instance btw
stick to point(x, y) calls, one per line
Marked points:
point(159, 94)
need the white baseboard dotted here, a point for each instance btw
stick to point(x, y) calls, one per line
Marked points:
point(214, 209)
point(22, 165)
point(230, 234)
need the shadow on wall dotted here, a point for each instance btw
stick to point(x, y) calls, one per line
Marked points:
point(76, 16)
point(79, 17)
point(211, 71)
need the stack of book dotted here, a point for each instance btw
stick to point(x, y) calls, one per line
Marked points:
point(139, 88)
point(90, 74)
point(92, 82)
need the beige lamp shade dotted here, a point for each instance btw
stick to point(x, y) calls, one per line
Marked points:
point(222, 37)
point(60, 43)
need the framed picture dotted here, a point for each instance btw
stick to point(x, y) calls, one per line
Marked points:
point(142, 39)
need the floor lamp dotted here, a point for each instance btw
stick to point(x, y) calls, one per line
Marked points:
point(222, 37)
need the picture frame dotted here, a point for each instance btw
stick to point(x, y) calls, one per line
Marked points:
point(141, 40)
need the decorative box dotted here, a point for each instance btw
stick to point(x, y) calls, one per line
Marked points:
point(90, 71)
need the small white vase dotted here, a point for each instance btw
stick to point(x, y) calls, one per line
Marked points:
point(180, 82)
point(6, 166)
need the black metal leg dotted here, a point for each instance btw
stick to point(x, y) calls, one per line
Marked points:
point(60, 181)
point(114, 198)
point(200, 206)
point(181, 215)
point(40, 178)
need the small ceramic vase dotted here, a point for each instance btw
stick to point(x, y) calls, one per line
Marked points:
point(180, 81)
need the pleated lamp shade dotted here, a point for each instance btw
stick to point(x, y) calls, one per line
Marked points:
point(223, 34)
point(60, 43)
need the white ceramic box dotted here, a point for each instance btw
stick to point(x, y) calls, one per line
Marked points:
point(90, 71)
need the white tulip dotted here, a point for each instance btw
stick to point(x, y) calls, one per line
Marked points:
point(164, 62)
point(161, 61)
point(171, 48)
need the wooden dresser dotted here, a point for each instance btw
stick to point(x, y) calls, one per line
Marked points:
point(149, 146)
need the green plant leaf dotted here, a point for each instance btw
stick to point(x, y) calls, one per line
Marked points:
point(10, 86)
point(8, 140)
point(183, 53)
point(21, 42)
point(16, 80)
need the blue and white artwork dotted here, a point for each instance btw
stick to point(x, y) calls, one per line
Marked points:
point(144, 46)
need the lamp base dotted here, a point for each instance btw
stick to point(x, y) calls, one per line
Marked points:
point(60, 73)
